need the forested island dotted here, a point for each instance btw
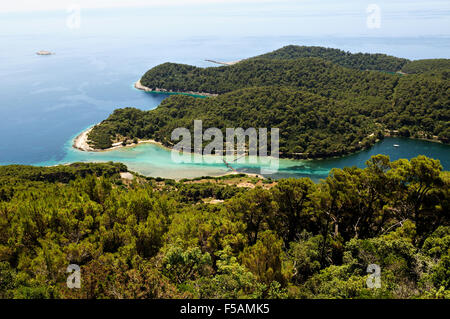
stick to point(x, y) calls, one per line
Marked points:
point(225, 237)
point(326, 102)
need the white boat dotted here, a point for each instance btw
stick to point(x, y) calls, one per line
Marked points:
point(43, 52)
point(396, 145)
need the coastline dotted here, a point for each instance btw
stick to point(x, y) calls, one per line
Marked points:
point(138, 85)
point(82, 138)
point(81, 143)
point(435, 139)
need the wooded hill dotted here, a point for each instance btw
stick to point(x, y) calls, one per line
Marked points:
point(312, 125)
point(153, 238)
point(321, 108)
point(358, 61)
point(423, 66)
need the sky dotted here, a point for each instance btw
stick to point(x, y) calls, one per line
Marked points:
point(398, 18)
point(42, 5)
point(397, 5)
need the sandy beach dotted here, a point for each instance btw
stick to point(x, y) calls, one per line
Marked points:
point(138, 85)
point(81, 143)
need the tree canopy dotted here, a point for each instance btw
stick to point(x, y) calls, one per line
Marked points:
point(358, 61)
point(427, 65)
point(324, 101)
point(292, 238)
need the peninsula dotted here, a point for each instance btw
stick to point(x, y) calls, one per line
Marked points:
point(82, 143)
point(326, 102)
point(138, 85)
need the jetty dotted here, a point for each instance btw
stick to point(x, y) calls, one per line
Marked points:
point(228, 165)
point(223, 63)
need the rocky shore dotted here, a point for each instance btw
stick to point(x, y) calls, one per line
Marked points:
point(138, 85)
point(81, 143)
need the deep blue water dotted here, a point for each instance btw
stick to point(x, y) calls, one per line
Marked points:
point(46, 100)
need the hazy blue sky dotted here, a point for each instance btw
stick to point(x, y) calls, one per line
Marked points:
point(228, 17)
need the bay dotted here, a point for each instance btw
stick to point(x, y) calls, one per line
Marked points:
point(45, 101)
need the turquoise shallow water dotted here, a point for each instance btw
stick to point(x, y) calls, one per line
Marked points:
point(156, 161)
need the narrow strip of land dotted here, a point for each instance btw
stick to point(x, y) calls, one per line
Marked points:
point(81, 143)
point(138, 85)
point(223, 63)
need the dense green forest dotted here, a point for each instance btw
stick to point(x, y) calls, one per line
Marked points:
point(154, 238)
point(322, 100)
point(421, 106)
point(315, 75)
point(423, 66)
point(359, 61)
point(313, 126)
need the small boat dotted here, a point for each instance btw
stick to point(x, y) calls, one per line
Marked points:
point(43, 52)
point(396, 145)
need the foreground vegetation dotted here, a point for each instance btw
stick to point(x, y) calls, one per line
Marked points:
point(229, 237)
point(322, 100)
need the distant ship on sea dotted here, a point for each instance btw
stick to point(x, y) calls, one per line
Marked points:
point(43, 52)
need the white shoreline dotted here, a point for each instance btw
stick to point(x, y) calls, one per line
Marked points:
point(81, 143)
